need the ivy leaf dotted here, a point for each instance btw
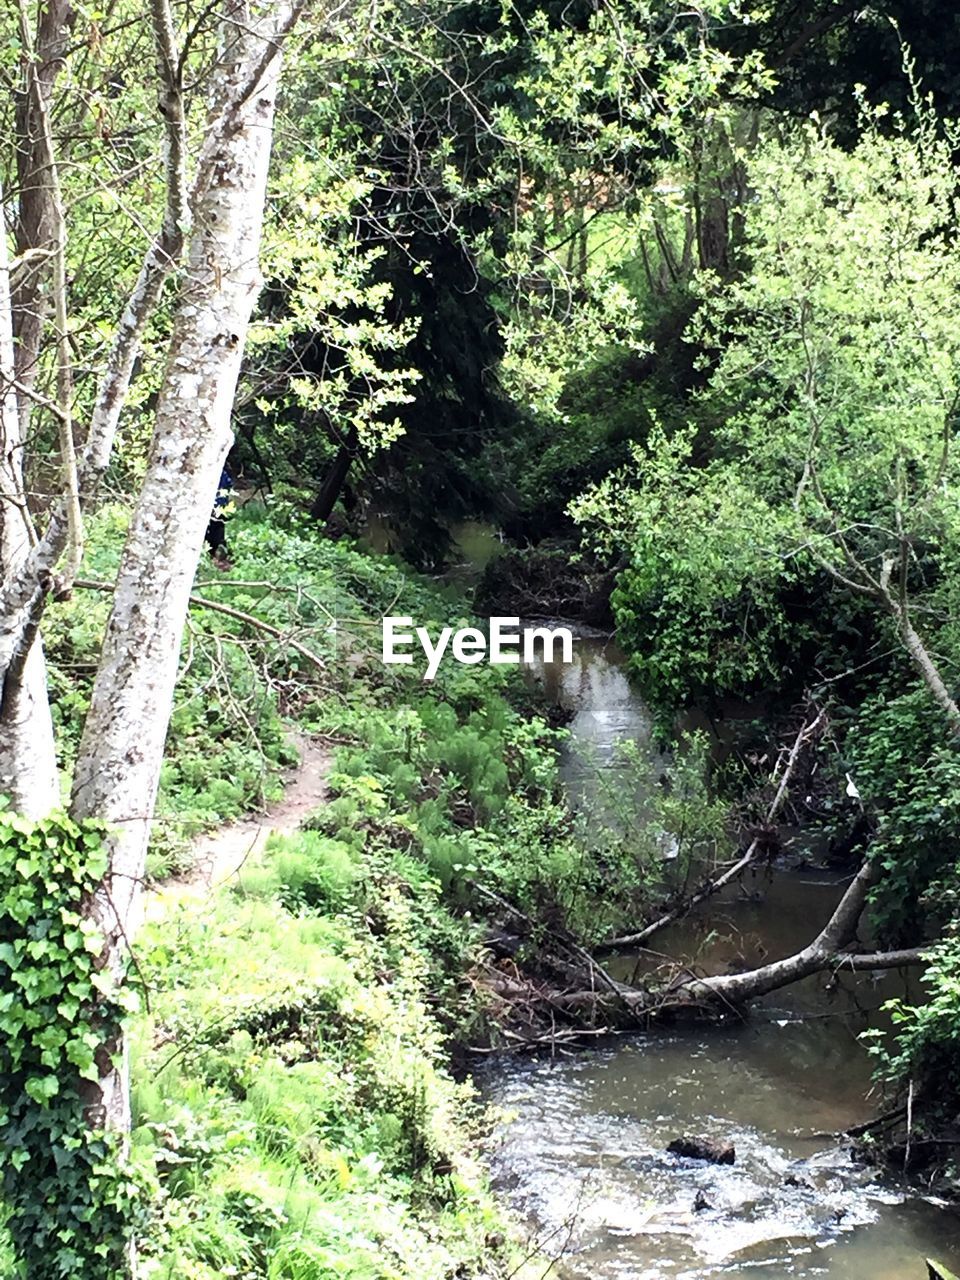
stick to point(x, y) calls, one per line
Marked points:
point(42, 1088)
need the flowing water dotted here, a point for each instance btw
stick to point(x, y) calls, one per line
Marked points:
point(581, 1153)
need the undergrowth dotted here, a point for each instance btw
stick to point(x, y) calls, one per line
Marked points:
point(290, 1083)
point(294, 1110)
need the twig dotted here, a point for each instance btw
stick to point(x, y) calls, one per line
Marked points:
point(616, 989)
point(248, 619)
point(878, 1122)
point(637, 939)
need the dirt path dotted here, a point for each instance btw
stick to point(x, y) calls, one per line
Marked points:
point(220, 854)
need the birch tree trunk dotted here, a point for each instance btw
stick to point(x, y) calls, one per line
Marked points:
point(122, 747)
point(28, 565)
point(28, 762)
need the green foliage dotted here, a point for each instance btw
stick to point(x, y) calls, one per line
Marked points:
point(293, 1106)
point(821, 52)
point(908, 772)
point(436, 288)
point(71, 1202)
point(698, 604)
point(924, 1044)
point(225, 742)
point(489, 224)
point(290, 1089)
point(601, 409)
point(842, 335)
point(306, 870)
point(468, 787)
point(323, 293)
point(659, 817)
point(830, 381)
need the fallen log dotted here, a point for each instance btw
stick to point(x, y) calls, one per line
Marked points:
point(723, 993)
point(628, 1006)
point(824, 954)
point(596, 971)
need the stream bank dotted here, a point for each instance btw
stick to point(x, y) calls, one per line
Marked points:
point(582, 1157)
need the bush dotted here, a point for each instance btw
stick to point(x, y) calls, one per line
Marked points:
point(305, 870)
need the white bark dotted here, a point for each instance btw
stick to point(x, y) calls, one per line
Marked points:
point(122, 748)
point(23, 592)
point(27, 756)
point(928, 669)
point(28, 762)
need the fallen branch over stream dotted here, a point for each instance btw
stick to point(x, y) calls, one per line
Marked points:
point(629, 940)
point(622, 1006)
point(826, 952)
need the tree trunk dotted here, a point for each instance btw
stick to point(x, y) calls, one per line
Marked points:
point(28, 763)
point(334, 480)
point(927, 668)
point(35, 229)
point(627, 1006)
point(122, 748)
point(27, 579)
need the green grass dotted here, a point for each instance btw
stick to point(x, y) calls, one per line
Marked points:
point(294, 1111)
point(290, 1091)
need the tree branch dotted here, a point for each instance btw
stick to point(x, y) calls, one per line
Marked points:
point(638, 939)
point(248, 619)
point(58, 230)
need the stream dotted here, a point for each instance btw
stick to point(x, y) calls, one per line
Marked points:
point(580, 1151)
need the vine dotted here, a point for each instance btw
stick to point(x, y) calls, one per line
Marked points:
point(70, 1198)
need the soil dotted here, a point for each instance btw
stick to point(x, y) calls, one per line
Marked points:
point(220, 854)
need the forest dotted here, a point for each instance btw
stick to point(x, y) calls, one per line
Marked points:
point(479, 640)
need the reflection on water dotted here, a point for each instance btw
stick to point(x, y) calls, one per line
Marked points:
point(604, 710)
point(583, 1159)
point(594, 687)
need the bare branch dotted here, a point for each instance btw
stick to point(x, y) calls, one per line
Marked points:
point(68, 456)
point(216, 606)
point(638, 939)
